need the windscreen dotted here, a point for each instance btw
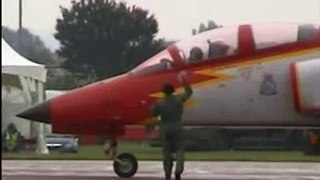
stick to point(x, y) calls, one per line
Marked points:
point(159, 62)
point(210, 45)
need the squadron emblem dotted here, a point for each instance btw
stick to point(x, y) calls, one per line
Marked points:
point(268, 86)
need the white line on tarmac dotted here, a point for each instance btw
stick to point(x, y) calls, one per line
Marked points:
point(154, 169)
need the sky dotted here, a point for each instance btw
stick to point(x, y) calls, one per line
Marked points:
point(176, 18)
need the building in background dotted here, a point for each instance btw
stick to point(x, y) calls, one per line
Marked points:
point(22, 86)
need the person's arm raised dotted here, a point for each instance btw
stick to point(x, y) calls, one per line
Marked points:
point(182, 77)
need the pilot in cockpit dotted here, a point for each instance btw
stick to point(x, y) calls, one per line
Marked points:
point(218, 49)
point(195, 55)
point(306, 32)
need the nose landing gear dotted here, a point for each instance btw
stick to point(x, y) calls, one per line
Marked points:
point(125, 165)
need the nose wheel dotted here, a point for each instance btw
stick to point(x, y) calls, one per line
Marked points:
point(125, 165)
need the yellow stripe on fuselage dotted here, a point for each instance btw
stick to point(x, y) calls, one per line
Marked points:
point(218, 75)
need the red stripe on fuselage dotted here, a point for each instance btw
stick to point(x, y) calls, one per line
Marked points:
point(100, 110)
point(311, 109)
point(295, 85)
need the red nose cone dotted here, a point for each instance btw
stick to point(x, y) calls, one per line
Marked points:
point(38, 113)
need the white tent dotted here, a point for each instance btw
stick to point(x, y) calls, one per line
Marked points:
point(13, 63)
point(22, 86)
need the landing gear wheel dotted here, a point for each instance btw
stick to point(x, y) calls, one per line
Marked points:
point(125, 165)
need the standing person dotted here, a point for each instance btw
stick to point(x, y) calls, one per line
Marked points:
point(11, 139)
point(170, 110)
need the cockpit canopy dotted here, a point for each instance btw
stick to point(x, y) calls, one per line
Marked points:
point(224, 42)
point(159, 62)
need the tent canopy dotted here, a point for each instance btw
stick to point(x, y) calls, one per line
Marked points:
point(22, 86)
point(14, 63)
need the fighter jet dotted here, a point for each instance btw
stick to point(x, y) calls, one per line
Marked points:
point(253, 75)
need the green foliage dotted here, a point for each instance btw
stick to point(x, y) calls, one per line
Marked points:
point(105, 36)
point(31, 47)
point(202, 27)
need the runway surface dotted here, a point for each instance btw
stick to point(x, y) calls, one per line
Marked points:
point(152, 170)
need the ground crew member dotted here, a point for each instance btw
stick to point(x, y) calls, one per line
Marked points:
point(11, 139)
point(170, 111)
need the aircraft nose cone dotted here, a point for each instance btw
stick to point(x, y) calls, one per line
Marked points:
point(38, 113)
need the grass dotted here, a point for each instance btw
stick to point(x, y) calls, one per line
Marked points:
point(144, 152)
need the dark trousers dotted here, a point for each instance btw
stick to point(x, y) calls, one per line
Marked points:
point(172, 144)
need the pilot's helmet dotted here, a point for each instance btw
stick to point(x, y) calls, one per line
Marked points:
point(196, 54)
point(217, 49)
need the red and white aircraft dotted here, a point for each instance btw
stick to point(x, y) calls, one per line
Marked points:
point(265, 75)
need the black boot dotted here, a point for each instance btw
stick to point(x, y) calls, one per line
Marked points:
point(178, 176)
point(168, 177)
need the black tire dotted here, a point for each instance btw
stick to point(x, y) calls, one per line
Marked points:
point(129, 168)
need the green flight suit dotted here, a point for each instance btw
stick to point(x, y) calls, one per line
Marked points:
point(170, 110)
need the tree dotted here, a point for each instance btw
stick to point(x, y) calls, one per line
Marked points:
point(194, 31)
point(105, 36)
point(202, 28)
point(212, 25)
point(32, 47)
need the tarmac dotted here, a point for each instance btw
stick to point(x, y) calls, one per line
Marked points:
point(152, 170)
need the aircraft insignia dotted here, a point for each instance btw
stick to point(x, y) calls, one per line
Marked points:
point(268, 86)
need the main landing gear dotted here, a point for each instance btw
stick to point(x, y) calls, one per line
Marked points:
point(125, 165)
